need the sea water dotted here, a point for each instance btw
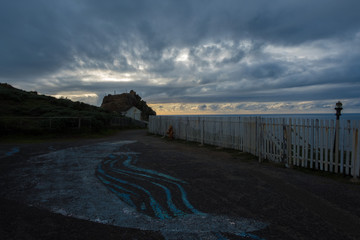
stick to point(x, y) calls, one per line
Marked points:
point(320, 116)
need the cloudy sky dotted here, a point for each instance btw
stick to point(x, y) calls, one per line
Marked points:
point(187, 56)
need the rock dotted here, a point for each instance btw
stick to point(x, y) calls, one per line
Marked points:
point(122, 102)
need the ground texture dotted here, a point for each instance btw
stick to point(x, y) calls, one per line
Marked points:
point(139, 186)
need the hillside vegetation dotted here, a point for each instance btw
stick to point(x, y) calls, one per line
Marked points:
point(16, 102)
point(30, 112)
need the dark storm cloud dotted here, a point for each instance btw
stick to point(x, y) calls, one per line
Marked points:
point(184, 51)
point(30, 42)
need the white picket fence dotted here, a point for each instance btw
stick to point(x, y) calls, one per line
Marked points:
point(307, 143)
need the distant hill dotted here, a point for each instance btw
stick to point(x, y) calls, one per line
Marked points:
point(19, 103)
point(24, 111)
point(122, 102)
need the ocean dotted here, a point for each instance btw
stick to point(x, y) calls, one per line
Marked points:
point(320, 116)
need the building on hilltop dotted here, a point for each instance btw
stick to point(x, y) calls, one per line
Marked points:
point(133, 113)
point(128, 104)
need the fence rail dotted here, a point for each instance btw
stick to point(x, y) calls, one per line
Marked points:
point(308, 143)
point(11, 124)
point(45, 122)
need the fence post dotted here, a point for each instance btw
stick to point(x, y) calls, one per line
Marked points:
point(337, 133)
point(284, 143)
point(259, 134)
point(355, 150)
point(289, 144)
point(202, 122)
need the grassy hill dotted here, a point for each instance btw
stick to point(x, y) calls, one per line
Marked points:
point(30, 112)
point(16, 102)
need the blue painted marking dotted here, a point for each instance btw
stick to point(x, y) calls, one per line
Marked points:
point(159, 212)
point(183, 192)
point(52, 148)
point(112, 162)
point(156, 207)
point(12, 151)
point(130, 173)
point(107, 161)
point(124, 197)
point(186, 201)
point(171, 205)
point(220, 236)
point(128, 164)
point(106, 182)
point(249, 235)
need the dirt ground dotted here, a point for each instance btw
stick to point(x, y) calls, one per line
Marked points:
point(202, 193)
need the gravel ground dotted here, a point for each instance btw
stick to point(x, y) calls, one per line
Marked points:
point(139, 186)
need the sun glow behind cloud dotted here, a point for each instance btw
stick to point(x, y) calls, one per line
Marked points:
point(87, 97)
point(247, 108)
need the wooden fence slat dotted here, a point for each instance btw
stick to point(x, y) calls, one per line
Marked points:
point(297, 137)
point(307, 143)
point(279, 139)
point(276, 137)
point(265, 129)
point(321, 145)
point(312, 142)
point(303, 134)
point(289, 142)
point(331, 145)
point(347, 147)
point(355, 150)
point(316, 145)
point(273, 139)
point(326, 146)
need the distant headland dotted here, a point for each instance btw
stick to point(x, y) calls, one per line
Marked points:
point(121, 103)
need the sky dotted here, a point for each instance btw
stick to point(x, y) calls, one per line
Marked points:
point(188, 56)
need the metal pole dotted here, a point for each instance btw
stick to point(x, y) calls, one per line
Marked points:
point(355, 154)
point(338, 109)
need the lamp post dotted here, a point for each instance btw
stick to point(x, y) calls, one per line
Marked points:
point(338, 109)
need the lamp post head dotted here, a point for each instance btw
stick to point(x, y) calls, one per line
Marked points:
point(338, 109)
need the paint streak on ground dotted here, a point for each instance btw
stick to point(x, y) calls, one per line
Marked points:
point(118, 170)
point(63, 181)
point(13, 151)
